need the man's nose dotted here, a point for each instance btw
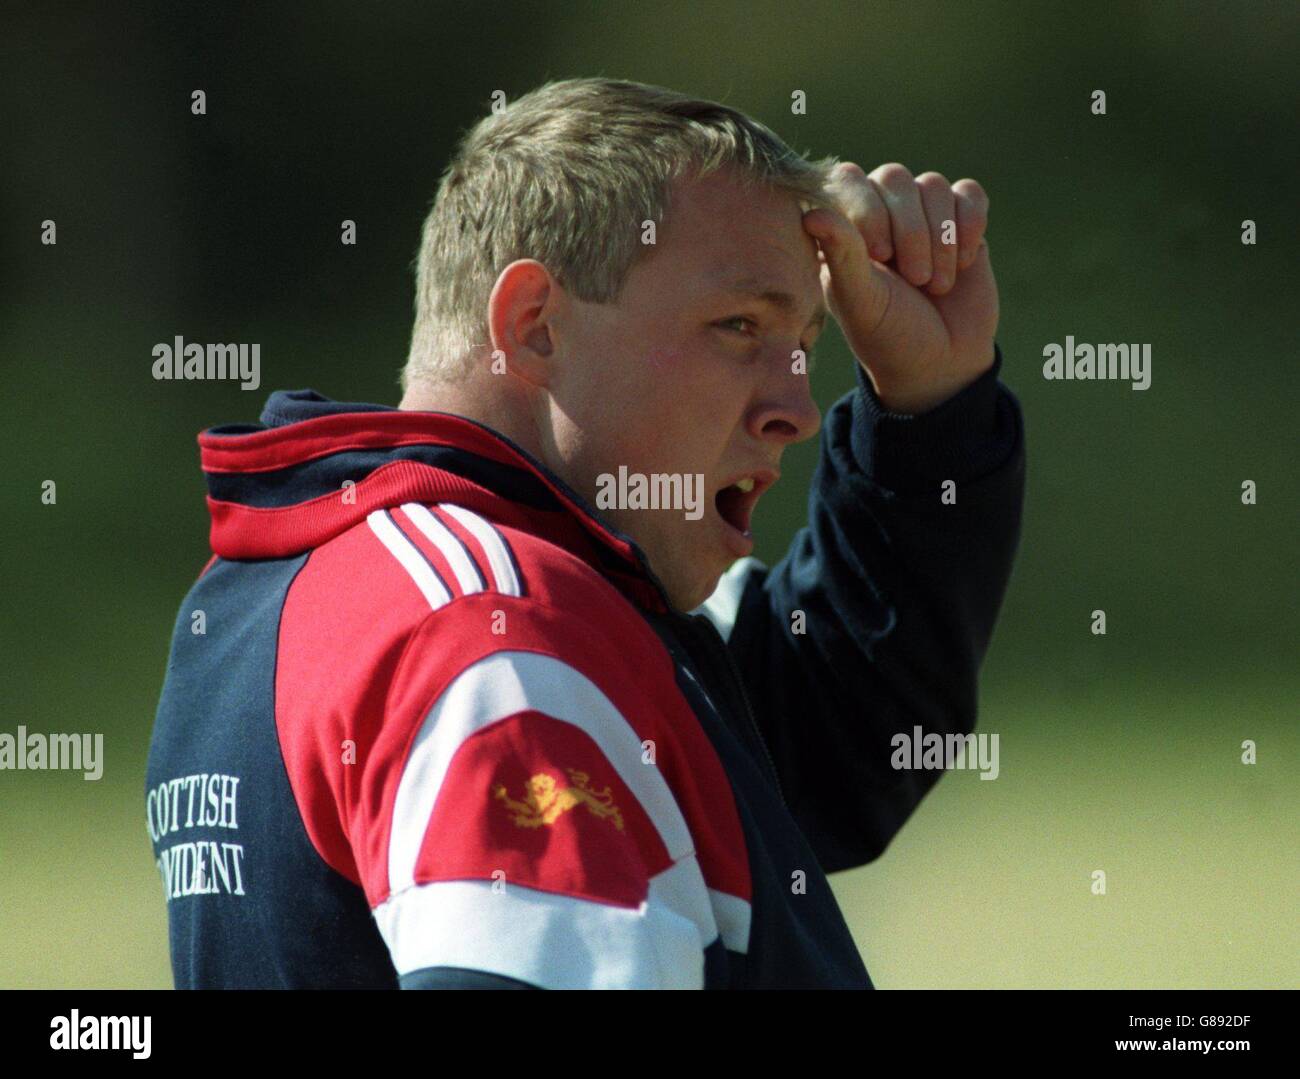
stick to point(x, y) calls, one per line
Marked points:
point(785, 412)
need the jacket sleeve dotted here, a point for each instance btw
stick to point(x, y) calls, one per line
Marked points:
point(878, 617)
point(506, 826)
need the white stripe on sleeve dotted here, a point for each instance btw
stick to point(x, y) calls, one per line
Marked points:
point(494, 546)
point(423, 574)
point(467, 574)
point(548, 940)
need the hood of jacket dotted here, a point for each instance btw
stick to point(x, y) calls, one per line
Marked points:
point(312, 468)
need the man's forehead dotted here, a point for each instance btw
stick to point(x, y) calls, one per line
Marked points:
point(725, 208)
point(748, 240)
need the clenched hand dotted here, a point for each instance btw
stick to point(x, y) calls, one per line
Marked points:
point(919, 313)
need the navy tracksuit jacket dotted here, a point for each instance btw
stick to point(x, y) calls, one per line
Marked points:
point(427, 721)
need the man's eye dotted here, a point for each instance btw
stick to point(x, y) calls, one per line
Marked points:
point(729, 322)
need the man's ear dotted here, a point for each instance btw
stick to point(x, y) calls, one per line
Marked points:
point(521, 313)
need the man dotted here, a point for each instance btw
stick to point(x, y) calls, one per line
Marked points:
point(449, 723)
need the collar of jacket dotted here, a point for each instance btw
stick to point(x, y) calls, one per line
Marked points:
point(313, 468)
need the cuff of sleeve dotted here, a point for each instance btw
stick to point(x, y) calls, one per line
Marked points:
point(959, 439)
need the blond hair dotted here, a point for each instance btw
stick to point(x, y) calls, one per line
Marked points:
point(566, 175)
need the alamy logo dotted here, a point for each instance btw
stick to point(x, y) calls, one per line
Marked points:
point(211, 363)
point(937, 751)
point(53, 752)
point(1112, 362)
point(77, 1031)
point(660, 491)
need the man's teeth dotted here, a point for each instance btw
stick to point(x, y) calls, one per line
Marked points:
point(745, 485)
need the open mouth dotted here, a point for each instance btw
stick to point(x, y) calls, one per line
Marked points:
point(735, 502)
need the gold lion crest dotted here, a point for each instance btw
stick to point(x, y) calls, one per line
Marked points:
point(544, 800)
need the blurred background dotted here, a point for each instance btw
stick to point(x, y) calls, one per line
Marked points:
point(1119, 752)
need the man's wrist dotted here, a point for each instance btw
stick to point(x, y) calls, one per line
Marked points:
point(916, 400)
point(960, 438)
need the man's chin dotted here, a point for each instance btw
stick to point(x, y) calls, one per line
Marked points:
point(688, 581)
point(688, 595)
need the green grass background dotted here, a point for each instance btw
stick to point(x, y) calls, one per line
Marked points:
point(1119, 753)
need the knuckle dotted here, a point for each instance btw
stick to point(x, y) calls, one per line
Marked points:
point(892, 175)
point(972, 191)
